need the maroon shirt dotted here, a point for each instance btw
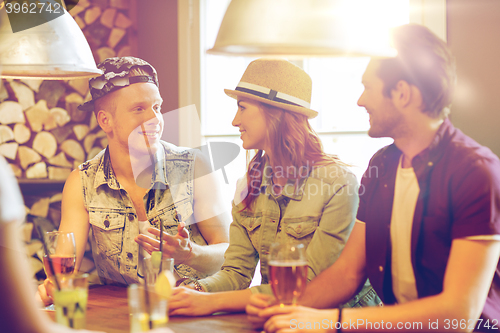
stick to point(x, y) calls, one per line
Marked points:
point(459, 196)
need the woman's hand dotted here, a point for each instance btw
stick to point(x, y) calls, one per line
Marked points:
point(299, 319)
point(58, 328)
point(257, 303)
point(188, 302)
point(46, 292)
point(178, 247)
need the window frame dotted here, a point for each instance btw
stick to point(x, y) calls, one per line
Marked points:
point(431, 13)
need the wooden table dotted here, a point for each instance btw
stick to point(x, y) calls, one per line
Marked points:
point(107, 310)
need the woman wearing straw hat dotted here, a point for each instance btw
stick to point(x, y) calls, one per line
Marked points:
point(293, 192)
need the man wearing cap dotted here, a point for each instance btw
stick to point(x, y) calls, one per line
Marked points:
point(427, 233)
point(138, 182)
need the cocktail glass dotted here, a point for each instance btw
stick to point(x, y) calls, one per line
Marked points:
point(70, 302)
point(61, 252)
point(146, 309)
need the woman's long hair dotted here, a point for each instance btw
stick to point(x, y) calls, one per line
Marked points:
point(294, 145)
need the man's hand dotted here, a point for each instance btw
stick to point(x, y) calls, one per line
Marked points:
point(257, 303)
point(57, 328)
point(295, 319)
point(46, 292)
point(177, 247)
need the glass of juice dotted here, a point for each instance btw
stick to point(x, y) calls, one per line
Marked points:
point(61, 252)
point(150, 268)
point(147, 311)
point(70, 302)
point(288, 272)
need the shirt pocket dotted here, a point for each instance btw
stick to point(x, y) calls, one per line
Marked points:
point(183, 211)
point(252, 225)
point(107, 228)
point(172, 215)
point(300, 230)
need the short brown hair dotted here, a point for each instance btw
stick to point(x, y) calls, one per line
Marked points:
point(425, 61)
point(107, 102)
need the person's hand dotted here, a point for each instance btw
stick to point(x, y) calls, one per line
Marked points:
point(188, 302)
point(177, 247)
point(295, 319)
point(57, 328)
point(159, 330)
point(256, 304)
point(46, 292)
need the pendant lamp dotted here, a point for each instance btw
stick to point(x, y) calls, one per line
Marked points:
point(54, 50)
point(300, 28)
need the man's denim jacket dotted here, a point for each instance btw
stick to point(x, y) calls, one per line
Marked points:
point(320, 214)
point(113, 219)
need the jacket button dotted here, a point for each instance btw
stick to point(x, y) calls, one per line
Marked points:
point(380, 268)
point(130, 255)
point(430, 164)
point(385, 185)
point(130, 217)
point(106, 223)
point(299, 229)
point(274, 221)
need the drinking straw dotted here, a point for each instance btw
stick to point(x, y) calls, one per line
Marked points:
point(161, 240)
point(156, 191)
point(46, 249)
point(146, 294)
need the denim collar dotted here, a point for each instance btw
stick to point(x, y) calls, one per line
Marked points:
point(289, 190)
point(106, 175)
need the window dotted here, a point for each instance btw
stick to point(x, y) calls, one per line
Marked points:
point(341, 124)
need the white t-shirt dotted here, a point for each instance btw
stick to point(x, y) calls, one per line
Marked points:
point(405, 199)
point(11, 201)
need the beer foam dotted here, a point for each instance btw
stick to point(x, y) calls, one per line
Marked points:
point(287, 263)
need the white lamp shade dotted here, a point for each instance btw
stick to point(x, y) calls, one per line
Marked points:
point(53, 50)
point(299, 28)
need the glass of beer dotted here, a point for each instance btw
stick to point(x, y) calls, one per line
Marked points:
point(61, 252)
point(288, 272)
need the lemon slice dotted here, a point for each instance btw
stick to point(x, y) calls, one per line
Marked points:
point(164, 284)
point(156, 259)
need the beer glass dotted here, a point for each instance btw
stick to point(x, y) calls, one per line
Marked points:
point(62, 253)
point(288, 272)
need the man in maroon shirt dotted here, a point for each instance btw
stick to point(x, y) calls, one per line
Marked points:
point(428, 224)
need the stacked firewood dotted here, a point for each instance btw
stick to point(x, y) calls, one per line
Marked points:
point(42, 133)
point(106, 25)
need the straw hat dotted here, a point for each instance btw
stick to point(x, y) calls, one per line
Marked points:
point(278, 83)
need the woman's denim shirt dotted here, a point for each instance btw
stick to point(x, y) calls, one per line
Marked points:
point(113, 218)
point(320, 213)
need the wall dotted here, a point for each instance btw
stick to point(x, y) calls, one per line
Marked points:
point(157, 44)
point(474, 38)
